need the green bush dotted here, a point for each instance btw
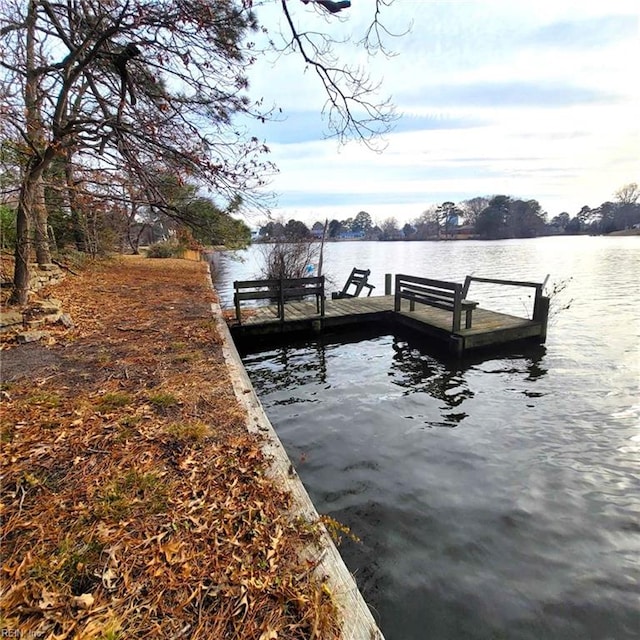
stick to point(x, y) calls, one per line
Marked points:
point(7, 227)
point(165, 249)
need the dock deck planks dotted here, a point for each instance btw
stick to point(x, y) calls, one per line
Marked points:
point(489, 327)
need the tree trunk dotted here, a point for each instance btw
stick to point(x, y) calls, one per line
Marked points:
point(20, 293)
point(134, 241)
point(324, 235)
point(33, 170)
point(30, 192)
point(43, 252)
point(77, 219)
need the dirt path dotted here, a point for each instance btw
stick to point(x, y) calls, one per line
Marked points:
point(134, 502)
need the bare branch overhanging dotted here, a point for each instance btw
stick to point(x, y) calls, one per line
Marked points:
point(352, 109)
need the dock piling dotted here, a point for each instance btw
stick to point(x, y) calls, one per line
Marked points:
point(388, 279)
point(541, 315)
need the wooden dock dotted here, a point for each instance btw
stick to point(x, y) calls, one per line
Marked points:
point(489, 328)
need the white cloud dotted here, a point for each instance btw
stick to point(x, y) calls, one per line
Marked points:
point(500, 102)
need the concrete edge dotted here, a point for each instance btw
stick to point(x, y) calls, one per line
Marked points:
point(357, 620)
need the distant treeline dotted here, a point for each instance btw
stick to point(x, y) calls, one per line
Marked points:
point(488, 218)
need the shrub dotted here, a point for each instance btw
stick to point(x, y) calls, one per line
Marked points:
point(7, 227)
point(287, 259)
point(166, 249)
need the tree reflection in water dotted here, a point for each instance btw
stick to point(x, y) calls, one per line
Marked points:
point(419, 369)
point(414, 366)
point(420, 372)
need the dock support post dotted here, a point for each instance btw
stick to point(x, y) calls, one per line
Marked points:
point(456, 346)
point(387, 284)
point(236, 302)
point(541, 315)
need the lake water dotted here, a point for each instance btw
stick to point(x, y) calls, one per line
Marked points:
point(497, 496)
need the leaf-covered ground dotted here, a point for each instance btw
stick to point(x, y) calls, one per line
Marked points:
point(135, 504)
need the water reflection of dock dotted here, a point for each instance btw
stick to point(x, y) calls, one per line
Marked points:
point(489, 328)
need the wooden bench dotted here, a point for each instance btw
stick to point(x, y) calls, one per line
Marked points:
point(357, 279)
point(279, 290)
point(435, 293)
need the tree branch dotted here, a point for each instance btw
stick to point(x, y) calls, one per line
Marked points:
point(349, 111)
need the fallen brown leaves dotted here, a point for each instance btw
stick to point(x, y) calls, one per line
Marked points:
point(134, 502)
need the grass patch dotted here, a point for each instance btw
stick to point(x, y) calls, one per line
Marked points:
point(163, 400)
point(132, 491)
point(38, 477)
point(127, 428)
point(112, 401)
point(189, 432)
point(183, 352)
point(7, 432)
point(72, 565)
point(129, 422)
point(183, 358)
point(78, 562)
point(45, 399)
point(112, 632)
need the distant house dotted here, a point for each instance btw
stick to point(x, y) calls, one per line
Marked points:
point(351, 235)
point(464, 232)
point(453, 221)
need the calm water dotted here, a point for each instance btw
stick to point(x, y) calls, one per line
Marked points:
point(496, 497)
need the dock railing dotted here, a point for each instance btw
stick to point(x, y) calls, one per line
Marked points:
point(540, 303)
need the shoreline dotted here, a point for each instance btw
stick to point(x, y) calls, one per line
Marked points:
point(357, 618)
point(132, 448)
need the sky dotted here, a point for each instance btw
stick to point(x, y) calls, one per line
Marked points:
point(537, 100)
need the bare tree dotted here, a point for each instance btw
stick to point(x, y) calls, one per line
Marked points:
point(93, 79)
point(390, 229)
point(143, 88)
point(473, 207)
point(428, 223)
point(628, 194)
point(288, 259)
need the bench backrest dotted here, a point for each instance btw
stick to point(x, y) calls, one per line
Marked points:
point(296, 287)
point(434, 293)
point(256, 289)
point(280, 290)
